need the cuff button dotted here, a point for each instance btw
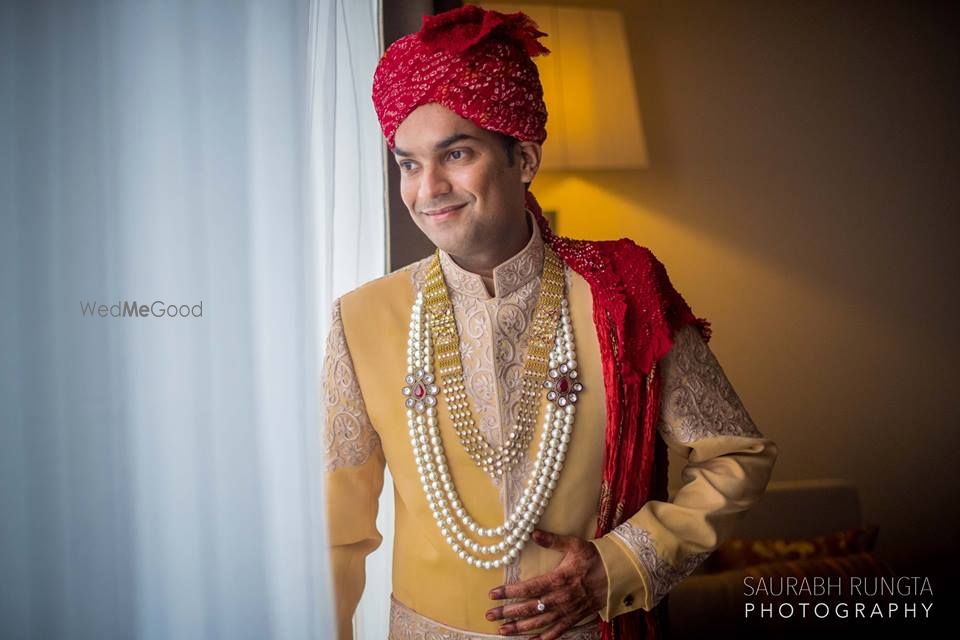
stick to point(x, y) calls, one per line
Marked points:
point(628, 600)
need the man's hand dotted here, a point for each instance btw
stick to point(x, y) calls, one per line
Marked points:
point(571, 592)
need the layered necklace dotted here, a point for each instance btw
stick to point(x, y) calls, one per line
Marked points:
point(550, 363)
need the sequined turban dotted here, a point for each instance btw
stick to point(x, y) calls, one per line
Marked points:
point(475, 62)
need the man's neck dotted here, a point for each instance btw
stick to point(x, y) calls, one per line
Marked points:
point(483, 265)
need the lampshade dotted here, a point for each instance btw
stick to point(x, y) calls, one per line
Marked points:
point(594, 120)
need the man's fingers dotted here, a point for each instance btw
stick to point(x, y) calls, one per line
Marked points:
point(525, 609)
point(527, 625)
point(552, 540)
point(539, 584)
point(532, 588)
point(555, 631)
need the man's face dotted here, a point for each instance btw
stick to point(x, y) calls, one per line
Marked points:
point(458, 183)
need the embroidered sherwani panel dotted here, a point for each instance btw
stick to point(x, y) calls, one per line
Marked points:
point(728, 466)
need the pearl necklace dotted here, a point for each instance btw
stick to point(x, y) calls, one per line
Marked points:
point(438, 487)
point(494, 461)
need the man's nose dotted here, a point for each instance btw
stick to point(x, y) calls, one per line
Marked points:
point(433, 183)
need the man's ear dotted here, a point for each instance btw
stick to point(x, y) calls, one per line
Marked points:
point(530, 154)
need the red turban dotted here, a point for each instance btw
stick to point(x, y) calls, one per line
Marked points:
point(472, 61)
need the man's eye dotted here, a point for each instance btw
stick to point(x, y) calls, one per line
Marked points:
point(458, 154)
point(406, 166)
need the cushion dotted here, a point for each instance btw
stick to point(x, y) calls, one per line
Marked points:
point(739, 553)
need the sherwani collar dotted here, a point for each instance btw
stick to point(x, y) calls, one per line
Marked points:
point(508, 276)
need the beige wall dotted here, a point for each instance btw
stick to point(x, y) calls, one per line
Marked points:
point(802, 193)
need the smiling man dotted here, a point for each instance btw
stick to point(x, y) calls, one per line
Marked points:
point(465, 187)
point(522, 387)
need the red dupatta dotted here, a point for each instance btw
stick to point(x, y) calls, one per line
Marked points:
point(636, 312)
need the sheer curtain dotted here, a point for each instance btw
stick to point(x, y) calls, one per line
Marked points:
point(160, 477)
point(349, 190)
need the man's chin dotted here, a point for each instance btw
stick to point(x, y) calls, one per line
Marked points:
point(444, 244)
point(451, 243)
point(448, 238)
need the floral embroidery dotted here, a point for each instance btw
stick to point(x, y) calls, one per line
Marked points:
point(349, 437)
point(663, 575)
point(697, 399)
point(493, 341)
point(407, 624)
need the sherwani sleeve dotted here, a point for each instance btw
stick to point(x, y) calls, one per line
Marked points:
point(729, 463)
point(354, 476)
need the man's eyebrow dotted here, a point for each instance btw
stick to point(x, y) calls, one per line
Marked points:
point(449, 140)
point(440, 146)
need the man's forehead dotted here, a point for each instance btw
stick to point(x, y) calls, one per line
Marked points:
point(430, 124)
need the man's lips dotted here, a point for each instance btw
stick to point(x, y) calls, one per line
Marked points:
point(444, 212)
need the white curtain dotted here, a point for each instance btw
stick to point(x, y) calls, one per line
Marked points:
point(160, 477)
point(349, 190)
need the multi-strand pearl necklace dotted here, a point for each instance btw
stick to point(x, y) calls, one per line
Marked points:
point(438, 308)
point(455, 524)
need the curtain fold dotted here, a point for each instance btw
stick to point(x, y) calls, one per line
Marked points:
point(348, 164)
point(160, 477)
point(349, 189)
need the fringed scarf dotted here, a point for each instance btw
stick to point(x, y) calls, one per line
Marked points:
point(636, 312)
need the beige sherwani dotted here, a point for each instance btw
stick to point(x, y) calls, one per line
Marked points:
point(435, 592)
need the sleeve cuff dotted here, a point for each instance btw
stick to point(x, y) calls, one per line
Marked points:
point(626, 582)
